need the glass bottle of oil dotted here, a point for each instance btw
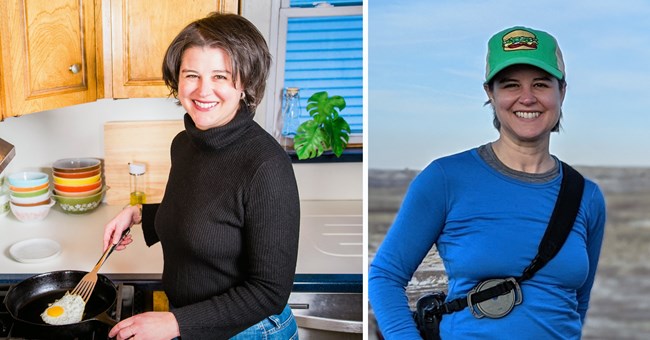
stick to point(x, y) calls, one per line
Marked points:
point(137, 170)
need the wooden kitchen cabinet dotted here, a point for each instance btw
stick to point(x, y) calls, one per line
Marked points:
point(140, 34)
point(48, 55)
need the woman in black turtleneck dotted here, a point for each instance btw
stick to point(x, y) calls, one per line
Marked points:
point(229, 221)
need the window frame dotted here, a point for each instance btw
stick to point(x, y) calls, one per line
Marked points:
point(281, 12)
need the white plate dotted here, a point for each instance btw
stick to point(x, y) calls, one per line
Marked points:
point(35, 250)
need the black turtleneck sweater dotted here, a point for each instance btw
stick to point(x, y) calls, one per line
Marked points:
point(228, 225)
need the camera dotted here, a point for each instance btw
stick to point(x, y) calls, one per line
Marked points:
point(427, 316)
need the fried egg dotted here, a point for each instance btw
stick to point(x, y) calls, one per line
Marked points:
point(66, 310)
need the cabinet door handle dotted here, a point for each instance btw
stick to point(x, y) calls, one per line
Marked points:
point(75, 68)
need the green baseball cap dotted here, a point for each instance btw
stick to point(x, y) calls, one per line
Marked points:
point(522, 45)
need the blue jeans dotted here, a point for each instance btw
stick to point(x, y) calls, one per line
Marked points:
point(275, 327)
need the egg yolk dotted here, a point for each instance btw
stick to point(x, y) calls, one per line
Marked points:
point(55, 311)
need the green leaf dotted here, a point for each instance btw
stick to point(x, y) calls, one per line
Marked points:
point(339, 133)
point(316, 106)
point(337, 102)
point(310, 141)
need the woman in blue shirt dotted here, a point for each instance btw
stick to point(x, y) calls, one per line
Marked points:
point(486, 210)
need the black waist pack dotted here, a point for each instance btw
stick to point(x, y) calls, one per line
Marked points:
point(430, 307)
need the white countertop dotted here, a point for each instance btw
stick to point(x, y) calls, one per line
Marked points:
point(80, 237)
point(331, 241)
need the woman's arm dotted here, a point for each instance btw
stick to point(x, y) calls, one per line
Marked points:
point(148, 218)
point(416, 228)
point(596, 230)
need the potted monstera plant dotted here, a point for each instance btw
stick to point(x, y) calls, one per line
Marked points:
point(326, 130)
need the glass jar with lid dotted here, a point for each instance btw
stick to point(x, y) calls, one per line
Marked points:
point(291, 111)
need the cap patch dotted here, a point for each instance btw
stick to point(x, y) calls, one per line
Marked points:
point(519, 40)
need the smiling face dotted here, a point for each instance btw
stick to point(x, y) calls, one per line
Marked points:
point(527, 102)
point(206, 89)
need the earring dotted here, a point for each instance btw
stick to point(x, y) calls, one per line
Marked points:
point(243, 98)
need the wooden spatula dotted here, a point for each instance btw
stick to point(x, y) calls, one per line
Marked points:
point(86, 286)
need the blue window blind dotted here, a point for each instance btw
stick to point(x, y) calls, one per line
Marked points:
point(326, 54)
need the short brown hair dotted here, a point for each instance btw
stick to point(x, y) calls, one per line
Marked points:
point(249, 54)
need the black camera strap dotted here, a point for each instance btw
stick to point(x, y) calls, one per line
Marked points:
point(559, 226)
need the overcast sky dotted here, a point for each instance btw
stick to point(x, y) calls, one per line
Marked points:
point(426, 66)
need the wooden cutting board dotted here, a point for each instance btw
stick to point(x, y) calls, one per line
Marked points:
point(145, 142)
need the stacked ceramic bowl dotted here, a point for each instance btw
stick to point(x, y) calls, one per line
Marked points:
point(78, 184)
point(29, 195)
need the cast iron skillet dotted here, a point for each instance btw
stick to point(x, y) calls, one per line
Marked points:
point(28, 299)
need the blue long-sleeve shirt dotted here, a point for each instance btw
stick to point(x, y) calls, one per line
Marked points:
point(487, 225)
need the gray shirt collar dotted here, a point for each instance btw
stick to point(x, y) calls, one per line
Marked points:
point(487, 154)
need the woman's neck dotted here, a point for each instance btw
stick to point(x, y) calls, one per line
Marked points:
point(534, 158)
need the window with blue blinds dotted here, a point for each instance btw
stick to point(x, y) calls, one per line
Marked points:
point(326, 54)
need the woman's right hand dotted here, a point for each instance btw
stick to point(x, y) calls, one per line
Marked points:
point(125, 219)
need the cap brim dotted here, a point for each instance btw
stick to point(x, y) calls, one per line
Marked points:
point(526, 61)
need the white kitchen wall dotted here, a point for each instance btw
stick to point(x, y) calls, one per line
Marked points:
point(75, 131)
